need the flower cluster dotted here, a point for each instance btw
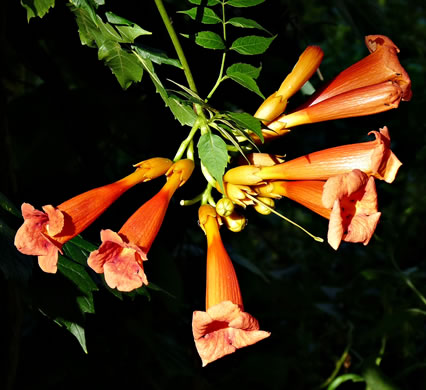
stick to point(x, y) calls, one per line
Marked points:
point(337, 183)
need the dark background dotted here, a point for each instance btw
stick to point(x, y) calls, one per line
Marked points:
point(66, 127)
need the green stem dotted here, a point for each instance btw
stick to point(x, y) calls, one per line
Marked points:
point(176, 44)
point(222, 65)
point(187, 141)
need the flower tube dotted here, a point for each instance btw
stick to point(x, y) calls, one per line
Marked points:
point(43, 233)
point(348, 200)
point(375, 158)
point(224, 327)
point(120, 256)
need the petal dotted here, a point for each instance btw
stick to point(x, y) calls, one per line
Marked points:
point(49, 262)
point(120, 261)
point(362, 228)
point(342, 185)
point(222, 330)
point(29, 239)
point(56, 220)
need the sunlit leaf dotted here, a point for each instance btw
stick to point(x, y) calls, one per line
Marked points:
point(251, 45)
point(245, 23)
point(246, 82)
point(37, 7)
point(76, 330)
point(123, 64)
point(156, 56)
point(244, 3)
point(213, 154)
point(208, 40)
point(247, 69)
point(203, 15)
point(247, 121)
point(209, 2)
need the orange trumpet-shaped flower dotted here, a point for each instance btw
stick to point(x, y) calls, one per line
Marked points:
point(44, 233)
point(381, 65)
point(120, 256)
point(368, 100)
point(348, 200)
point(374, 84)
point(224, 327)
point(374, 158)
point(305, 67)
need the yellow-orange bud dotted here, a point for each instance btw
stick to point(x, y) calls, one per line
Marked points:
point(261, 208)
point(235, 222)
point(153, 167)
point(224, 207)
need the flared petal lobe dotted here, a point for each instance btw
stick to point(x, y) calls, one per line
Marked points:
point(223, 329)
point(120, 261)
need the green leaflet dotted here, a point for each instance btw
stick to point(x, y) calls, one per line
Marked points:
point(251, 45)
point(182, 112)
point(37, 7)
point(247, 121)
point(245, 23)
point(208, 40)
point(213, 154)
point(245, 75)
point(244, 3)
point(156, 56)
point(123, 64)
point(209, 2)
point(203, 15)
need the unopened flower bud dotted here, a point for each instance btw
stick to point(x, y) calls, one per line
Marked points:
point(235, 222)
point(261, 208)
point(224, 207)
point(154, 167)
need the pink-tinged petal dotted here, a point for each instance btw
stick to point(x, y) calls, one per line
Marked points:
point(56, 220)
point(342, 185)
point(385, 164)
point(121, 262)
point(222, 330)
point(354, 215)
point(49, 262)
point(29, 239)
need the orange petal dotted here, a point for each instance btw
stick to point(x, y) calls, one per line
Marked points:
point(120, 261)
point(49, 262)
point(222, 330)
point(354, 215)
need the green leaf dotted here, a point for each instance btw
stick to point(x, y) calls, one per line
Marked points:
point(251, 44)
point(155, 55)
point(123, 64)
point(130, 33)
point(183, 113)
point(246, 23)
point(213, 154)
point(307, 88)
point(7, 205)
point(247, 69)
point(83, 244)
point(75, 329)
point(244, 3)
point(375, 377)
point(87, 26)
point(37, 7)
point(78, 274)
point(209, 2)
point(209, 40)
point(246, 82)
point(203, 15)
point(247, 121)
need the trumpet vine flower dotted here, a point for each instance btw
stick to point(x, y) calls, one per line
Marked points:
point(224, 327)
point(375, 84)
point(43, 233)
point(120, 256)
point(348, 200)
point(375, 158)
